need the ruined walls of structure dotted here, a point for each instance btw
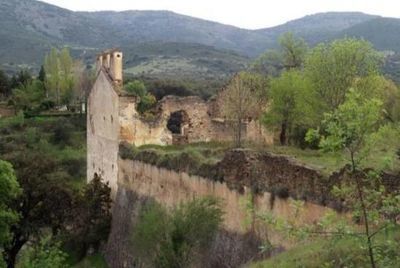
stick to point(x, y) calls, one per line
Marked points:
point(171, 188)
point(112, 118)
point(138, 182)
point(103, 131)
point(200, 124)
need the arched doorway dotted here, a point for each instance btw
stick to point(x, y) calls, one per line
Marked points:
point(178, 123)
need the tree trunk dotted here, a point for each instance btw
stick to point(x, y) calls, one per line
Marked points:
point(364, 211)
point(10, 253)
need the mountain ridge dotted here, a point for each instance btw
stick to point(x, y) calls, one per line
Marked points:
point(30, 28)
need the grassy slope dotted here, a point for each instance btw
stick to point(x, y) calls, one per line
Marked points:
point(345, 252)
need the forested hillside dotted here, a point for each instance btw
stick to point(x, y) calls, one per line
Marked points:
point(30, 28)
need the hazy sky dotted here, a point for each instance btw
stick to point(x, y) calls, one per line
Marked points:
point(250, 14)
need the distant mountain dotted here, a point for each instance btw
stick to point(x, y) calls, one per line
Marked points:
point(28, 28)
point(384, 33)
point(318, 27)
point(144, 26)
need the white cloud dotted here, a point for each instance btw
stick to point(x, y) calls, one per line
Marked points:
point(243, 13)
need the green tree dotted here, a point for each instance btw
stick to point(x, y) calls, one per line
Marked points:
point(270, 63)
point(58, 67)
point(23, 78)
point(45, 202)
point(244, 99)
point(351, 127)
point(9, 191)
point(46, 254)
point(174, 240)
point(146, 99)
point(42, 74)
point(66, 76)
point(294, 51)
point(290, 55)
point(28, 97)
point(90, 220)
point(332, 69)
point(52, 69)
point(377, 86)
point(289, 105)
point(136, 87)
point(5, 85)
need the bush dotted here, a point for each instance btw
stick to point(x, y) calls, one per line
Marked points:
point(138, 89)
point(62, 133)
point(175, 240)
point(46, 254)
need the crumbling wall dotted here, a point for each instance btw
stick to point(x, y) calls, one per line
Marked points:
point(264, 171)
point(139, 182)
point(201, 126)
point(171, 188)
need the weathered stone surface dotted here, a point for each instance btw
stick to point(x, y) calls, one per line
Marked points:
point(273, 173)
point(102, 131)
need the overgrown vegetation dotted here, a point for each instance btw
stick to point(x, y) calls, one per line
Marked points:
point(48, 155)
point(337, 252)
point(146, 100)
point(196, 159)
point(177, 238)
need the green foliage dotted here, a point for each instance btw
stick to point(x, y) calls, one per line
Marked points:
point(9, 191)
point(290, 104)
point(349, 126)
point(147, 100)
point(195, 159)
point(59, 80)
point(332, 69)
point(48, 174)
point(353, 126)
point(46, 254)
point(269, 63)
point(294, 51)
point(290, 55)
point(22, 78)
point(91, 218)
point(5, 86)
point(29, 97)
point(174, 239)
point(136, 88)
point(337, 252)
point(42, 74)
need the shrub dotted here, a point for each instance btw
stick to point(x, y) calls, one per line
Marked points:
point(175, 239)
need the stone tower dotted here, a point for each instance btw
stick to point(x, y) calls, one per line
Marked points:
point(103, 118)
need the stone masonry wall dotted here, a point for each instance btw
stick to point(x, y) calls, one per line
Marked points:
point(201, 125)
point(103, 131)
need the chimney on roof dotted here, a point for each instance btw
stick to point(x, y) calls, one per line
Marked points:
point(111, 62)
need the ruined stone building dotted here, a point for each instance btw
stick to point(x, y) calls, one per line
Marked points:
point(112, 118)
point(271, 181)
